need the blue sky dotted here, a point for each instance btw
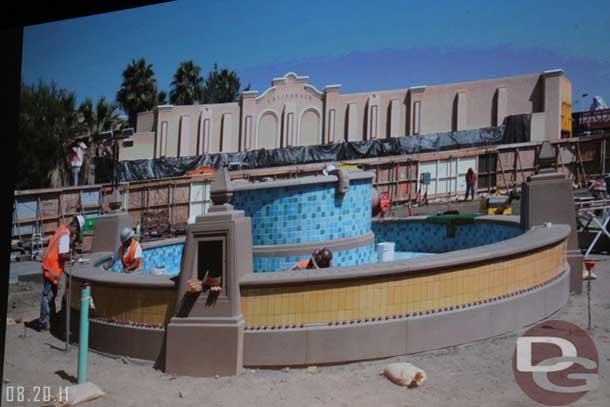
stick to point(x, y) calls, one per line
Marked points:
point(362, 45)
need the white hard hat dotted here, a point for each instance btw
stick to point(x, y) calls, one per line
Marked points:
point(126, 234)
point(328, 169)
point(81, 221)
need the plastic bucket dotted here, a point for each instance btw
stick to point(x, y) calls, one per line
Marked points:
point(158, 271)
point(385, 251)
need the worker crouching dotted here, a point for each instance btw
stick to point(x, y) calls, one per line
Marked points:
point(320, 258)
point(129, 253)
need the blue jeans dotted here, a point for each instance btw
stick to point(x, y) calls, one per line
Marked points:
point(469, 188)
point(47, 306)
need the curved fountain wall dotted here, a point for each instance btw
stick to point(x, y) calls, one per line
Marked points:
point(352, 313)
point(418, 234)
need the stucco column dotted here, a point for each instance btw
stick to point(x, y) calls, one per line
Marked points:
point(414, 112)
point(373, 118)
point(204, 129)
point(552, 103)
point(162, 136)
point(461, 119)
point(394, 124)
point(247, 128)
point(331, 103)
point(289, 127)
point(501, 105)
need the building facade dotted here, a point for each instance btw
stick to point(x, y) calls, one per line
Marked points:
point(294, 113)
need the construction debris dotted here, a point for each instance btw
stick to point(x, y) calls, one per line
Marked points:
point(404, 374)
point(155, 225)
point(312, 369)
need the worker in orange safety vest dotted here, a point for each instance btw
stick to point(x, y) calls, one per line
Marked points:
point(320, 258)
point(129, 253)
point(53, 261)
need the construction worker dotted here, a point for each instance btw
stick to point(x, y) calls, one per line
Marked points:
point(53, 260)
point(471, 181)
point(130, 252)
point(320, 258)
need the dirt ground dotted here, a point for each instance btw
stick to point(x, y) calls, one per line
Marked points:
point(477, 374)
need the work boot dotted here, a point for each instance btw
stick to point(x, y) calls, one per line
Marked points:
point(37, 325)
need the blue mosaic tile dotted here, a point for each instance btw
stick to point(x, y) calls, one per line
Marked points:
point(306, 213)
point(169, 256)
point(426, 237)
point(351, 257)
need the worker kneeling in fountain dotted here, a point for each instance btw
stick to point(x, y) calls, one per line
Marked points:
point(130, 253)
point(320, 258)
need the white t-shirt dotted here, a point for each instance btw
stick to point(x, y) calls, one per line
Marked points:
point(64, 244)
point(136, 255)
point(79, 153)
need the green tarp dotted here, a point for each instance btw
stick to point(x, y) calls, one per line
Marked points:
point(460, 219)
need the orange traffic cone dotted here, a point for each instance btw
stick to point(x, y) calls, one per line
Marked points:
point(589, 265)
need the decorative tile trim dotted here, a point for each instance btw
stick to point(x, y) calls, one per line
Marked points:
point(307, 248)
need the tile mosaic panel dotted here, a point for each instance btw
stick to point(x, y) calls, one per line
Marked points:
point(351, 257)
point(307, 213)
point(432, 238)
point(169, 256)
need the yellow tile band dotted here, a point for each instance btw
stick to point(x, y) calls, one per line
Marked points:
point(134, 304)
point(328, 302)
point(337, 301)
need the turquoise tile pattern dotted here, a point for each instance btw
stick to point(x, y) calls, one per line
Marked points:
point(306, 213)
point(432, 238)
point(169, 256)
point(360, 255)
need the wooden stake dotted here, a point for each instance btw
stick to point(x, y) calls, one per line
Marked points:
point(498, 160)
point(582, 167)
point(603, 156)
point(520, 166)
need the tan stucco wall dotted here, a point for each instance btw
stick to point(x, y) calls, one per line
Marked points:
point(143, 147)
point(357, 116)
point(146, 121)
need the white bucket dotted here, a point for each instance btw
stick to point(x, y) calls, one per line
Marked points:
point(385, 251)
point(158, 271)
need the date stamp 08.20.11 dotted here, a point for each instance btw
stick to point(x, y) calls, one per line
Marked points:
point(33, 395)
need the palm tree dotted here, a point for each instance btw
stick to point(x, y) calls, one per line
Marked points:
point(187, 85)
point(138, 91)
point(105, 116)
point(161, 98)
point(47, 121)
point(221, 86)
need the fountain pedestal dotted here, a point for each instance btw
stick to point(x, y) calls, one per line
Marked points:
point(206, 334)
point(548, 197)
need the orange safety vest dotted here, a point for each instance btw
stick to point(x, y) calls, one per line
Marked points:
point(129, 258)
point(52, 265)
point(302, 264)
